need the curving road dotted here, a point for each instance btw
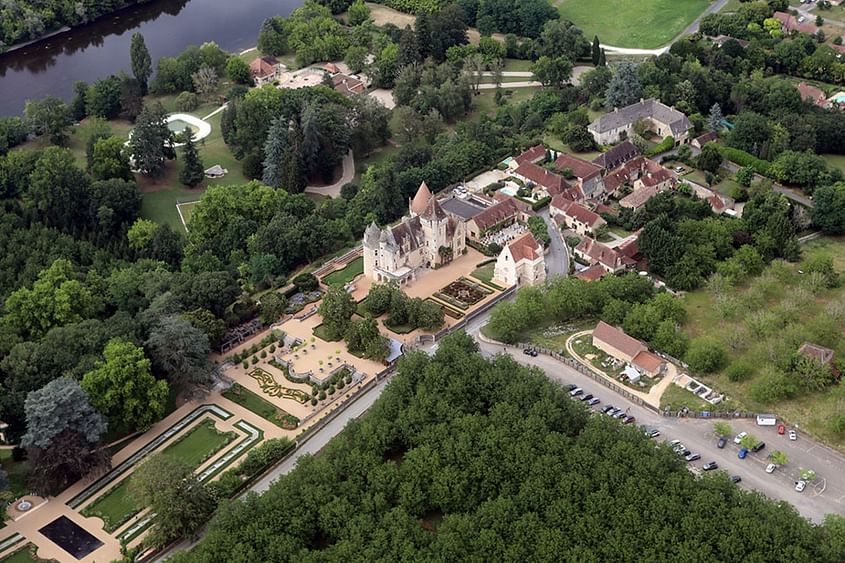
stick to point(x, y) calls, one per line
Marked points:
point(557, 257)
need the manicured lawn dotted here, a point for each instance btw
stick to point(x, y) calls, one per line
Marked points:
point(398, 329)
point(203, 441)
point(484, 273)
point(347, 274)
point(16, 472)
point(160, 206)
point(485, 102)
point(517, 65)
point(644, 24)
point(763, 323)
point(115, 507)
point(320, 332)
point(23, 555)
point(186, 209)
point(252, 402)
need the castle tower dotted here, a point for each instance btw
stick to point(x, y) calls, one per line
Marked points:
point(420, 201)
point(371, 238)
point(434, 222)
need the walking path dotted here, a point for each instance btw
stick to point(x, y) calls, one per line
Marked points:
point(333, 190)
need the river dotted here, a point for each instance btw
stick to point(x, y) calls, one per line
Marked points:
point(96, 50)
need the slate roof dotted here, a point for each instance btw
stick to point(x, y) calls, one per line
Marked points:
point(433, 211)
point(620, 154)
point(460, 208)
point(650, 108)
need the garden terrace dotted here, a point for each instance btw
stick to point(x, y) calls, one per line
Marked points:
point(346, 274)
point(271, 387)
point(463, 293)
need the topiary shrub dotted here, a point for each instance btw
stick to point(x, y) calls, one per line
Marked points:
point(246, 364)
point(322, 395)
point(254, 360)
point(263, 354)
point(313, 401)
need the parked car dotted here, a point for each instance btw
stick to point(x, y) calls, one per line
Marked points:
point(628, 419)
point(781, 429)
point(721, 443)
point(594, 401)
point(586, 397)
point(679, 169)
point(674, 443)
point(693, 457)
point(800, 485)
point(793, 435)
point(739, 437)
point(759, 446)
point(710, 466)
point(570, 386)
point(771, 468)
point(679, 446)
point(606, 409)
point(575, 392)
point(619, 414)
point(532, 352)
point(654, 433)
point(736, 478)
point(742, 453)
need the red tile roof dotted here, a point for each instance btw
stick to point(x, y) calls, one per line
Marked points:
point(576, 211)
point(592, 273)
point(654, 178)
point(580, 168)
point(812, 94)
point(818, 353)
point(534, 154)
point(638, 198)
point(525, 247)
point(541, 176)
point(647, 361)
point(706, 138)
point(347, 85)
point(617, 338)
point(601, 254)
point(495, 214)
point(790, 23)
point(263, 66)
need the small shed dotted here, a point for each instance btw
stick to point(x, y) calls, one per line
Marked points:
point(631, 373)
point(216, 171)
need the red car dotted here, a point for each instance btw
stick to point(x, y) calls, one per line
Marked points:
point(781, 429)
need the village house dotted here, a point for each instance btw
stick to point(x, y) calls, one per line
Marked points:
point(575, 216)
point(496, 217)
point(617, 155)
point(790, 24)
point(586, 175)
point(621, 346)
point(638, 198)
point(813, 95)
point(593, 252)
point(535, 155)
point(639, 173)
point(428, 238)
point(593, 273)
point(530, 173)
point(521, 263)
point(661, 119)
point(348, 85)
point(702, 140)
point(265, 70)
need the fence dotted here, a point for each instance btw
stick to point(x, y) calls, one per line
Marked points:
point(685, 413)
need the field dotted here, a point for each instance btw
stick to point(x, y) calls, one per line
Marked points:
point(16, 472)
point(762, 324)
point(835, 161)
point(643, 24)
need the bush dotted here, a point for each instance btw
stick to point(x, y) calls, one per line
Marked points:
point(264, 455)
point(773, 387)
point(739, 371)
point(666, 144)
point(305, 282)
point(745, 159)
point(706, 355)
point(246, 364)
point(254, 360)
point(18, 454)
point(236, 92)
point(187, 101)
point(252, 165)
point(322, 395)
point(313, 401)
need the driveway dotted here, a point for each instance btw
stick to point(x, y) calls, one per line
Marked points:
point(697, 435)
point(333, 190)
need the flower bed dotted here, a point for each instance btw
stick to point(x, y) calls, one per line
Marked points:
point(447, 310)
point(269, 385)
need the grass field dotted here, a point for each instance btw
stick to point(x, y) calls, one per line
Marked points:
point(835, 160)
point(675, 398)
point(23, 555)
point(347, 274)
point(764, 322)
point(644, 24)
point(484, 273)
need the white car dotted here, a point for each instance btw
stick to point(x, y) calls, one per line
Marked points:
point(800, 485)
point(771, 468)
point(739, 437)
point(793, 435)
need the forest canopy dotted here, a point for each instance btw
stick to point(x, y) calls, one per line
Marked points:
point(464, 458)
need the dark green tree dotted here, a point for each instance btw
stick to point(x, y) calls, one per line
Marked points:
point(274, 152)
point(142, 66)
point(150, 140)
point(596, 50)
point(192, 172)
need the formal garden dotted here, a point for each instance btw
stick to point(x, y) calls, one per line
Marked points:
point(346, 274)
point(194, 447)
point(239, 394)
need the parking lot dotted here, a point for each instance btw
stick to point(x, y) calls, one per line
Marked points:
point(826, 495)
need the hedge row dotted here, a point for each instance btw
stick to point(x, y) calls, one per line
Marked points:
point(257, 460)
point(745, 159)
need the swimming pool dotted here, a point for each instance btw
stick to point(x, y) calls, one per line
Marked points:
point(839, 98)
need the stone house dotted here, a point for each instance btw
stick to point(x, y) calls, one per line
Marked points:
point(521, 262)
point(575, 216)
point(663, 120)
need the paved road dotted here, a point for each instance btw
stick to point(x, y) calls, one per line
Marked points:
point(811, 16)
point(507, 85)
point(697, 435)
point(557, 259)
point(789, 193)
